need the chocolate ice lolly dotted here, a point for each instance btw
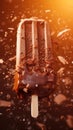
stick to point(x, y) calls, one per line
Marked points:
point(34, 74)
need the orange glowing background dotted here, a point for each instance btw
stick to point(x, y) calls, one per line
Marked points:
point(59, 14)
point(64, 7)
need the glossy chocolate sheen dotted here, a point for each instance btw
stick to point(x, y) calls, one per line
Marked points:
point(37, 83)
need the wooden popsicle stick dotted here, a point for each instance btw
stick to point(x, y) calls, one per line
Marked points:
point(34, 106)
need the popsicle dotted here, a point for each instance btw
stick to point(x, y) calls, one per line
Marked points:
point(34, 74)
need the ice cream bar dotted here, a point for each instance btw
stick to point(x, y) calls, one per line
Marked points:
point(34, 74)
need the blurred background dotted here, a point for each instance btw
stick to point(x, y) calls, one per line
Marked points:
point(56, 111)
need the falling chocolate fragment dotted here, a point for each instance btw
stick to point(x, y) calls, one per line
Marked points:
point(34, 74)
point(69, 121)
point(4, 103)
point(60, 98)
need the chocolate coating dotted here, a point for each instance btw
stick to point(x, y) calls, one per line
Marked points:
point(33, 58)
point(36, 83)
